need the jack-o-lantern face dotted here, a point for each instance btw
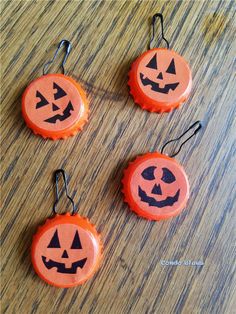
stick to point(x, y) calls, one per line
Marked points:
point(160, 80)
point(66, 254)
point(156, 86)
point(163, 75)
point(156, 186)
point(62, 253)
point(59, 93)
point(167, 177)
point(54, 104)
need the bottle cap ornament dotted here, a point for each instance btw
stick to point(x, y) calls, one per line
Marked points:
point(54, 105)
point(160, 79)
point(67, 249)
point(156, 186)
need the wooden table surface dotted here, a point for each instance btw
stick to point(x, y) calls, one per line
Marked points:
point(106, 37)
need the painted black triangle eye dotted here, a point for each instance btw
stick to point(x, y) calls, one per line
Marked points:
point(148, 173)
point(152, 63)
point(54, 243)
point(167, 176)
point(43, 101)
point(76, 242)
point(171, 67)
point(60, 92)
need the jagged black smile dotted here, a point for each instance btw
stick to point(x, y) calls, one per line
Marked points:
point(61, 268)
point(155, 86)
point(61, 117)
point(169, 201)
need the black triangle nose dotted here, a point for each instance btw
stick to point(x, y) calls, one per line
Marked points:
point(54, 107)
point(157, 189)
point(160, 76)
point(65, 254)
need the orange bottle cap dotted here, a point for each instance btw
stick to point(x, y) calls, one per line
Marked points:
point(55, 106)
point(155, 186)
point(160, 80)
point(66, 251)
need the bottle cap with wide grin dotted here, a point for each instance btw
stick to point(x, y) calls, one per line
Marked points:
point(66, 250)
point(160, 80)
point(155, 186)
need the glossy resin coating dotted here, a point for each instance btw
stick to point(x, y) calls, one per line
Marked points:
point(66, 250)
point(55, 106)
point(155, 186)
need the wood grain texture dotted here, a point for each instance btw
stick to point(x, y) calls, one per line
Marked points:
point(107, 36)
